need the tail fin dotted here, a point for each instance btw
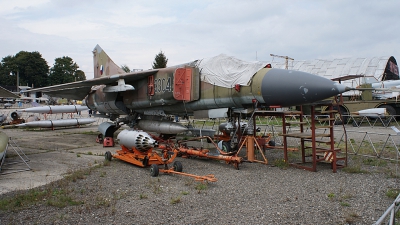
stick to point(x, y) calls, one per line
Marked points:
point(103, 65)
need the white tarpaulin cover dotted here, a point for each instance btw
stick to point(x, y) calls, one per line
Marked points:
point(226, 71)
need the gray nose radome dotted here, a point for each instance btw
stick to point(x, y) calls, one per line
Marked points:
point(296, 88)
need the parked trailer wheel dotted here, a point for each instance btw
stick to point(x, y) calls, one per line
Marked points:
point(226, 146)
point(154, 170)
point(177, 166)
point(390, 113)
point(108, 156)
point(345, 115)
point(271, 143)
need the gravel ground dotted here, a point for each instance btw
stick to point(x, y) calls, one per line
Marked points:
point(120, 193)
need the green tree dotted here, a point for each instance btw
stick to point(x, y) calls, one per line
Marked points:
point(80, 75)
point(160, 61)
point(32, 68)
point(125, 68)
point(65, 70)
point(7, 66)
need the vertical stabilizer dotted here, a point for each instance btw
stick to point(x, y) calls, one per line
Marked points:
point(103, 65)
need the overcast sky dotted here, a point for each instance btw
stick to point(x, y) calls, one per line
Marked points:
point(133, 32)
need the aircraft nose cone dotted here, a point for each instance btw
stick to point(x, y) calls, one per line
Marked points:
point(289, 88)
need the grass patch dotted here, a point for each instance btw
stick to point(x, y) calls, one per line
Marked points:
point(52, 196)
point(352, 218)
point(175, 200)
point(374, 162)
point(281, 163)
point(77, 175)
point(331, 196)
point(201, 187)
point(106, 163)
point(354, 169)
point(62, 200)
point(345, 204)
point(155, 186)
point(143, 196)
point(393, 193)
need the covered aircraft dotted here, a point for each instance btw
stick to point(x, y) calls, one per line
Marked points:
point(198, 87)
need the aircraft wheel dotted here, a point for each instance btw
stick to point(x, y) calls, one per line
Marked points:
point(226, 146)
point(108, 156)
point(177, 166)
point(154, 171)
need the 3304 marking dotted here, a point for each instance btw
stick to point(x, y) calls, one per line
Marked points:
point(162, 85)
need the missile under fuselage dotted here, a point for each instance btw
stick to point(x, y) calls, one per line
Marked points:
point(57, 123)
point(268, 87)
point(161, 127)
point(136, 139)
point(56, 109)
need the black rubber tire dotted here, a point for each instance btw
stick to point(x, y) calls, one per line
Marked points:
point(391, 112)
point(271, 143)
point(108, 156)
point(177, 166)
point(154, 170)
point(145, 161)
point(226, 146)
point(344, 113)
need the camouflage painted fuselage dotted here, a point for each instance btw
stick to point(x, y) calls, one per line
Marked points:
point(163, 93)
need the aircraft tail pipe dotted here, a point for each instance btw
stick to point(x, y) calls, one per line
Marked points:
point(136, 139)
point(16, 115)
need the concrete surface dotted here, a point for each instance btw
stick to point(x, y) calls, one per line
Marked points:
point(51, 155)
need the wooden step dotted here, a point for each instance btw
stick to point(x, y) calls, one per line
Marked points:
point(329, 111)
point(322, 149)
point(304, 135)
point(320, 141)
point(322, 127)
point(325, 119)
point(295, 123)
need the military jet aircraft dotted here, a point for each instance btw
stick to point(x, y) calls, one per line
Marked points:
point(202, 87)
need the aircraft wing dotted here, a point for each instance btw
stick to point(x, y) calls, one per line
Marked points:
point(4, 93)
point(79, 89)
